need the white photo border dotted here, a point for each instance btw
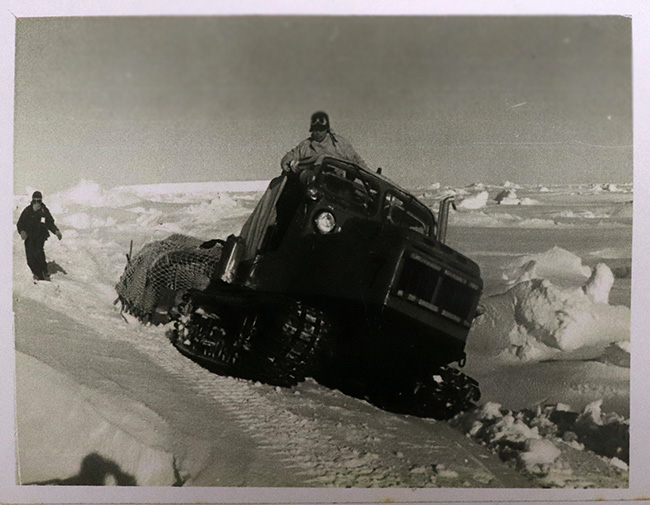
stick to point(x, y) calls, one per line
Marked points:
point(639, 487)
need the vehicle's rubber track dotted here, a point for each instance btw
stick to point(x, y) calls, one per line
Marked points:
point(295, 342)
point(447, 393)
point(279, 349)
point(282, 348)
point(441, 395)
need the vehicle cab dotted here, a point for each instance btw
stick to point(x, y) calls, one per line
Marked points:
point(348, 239)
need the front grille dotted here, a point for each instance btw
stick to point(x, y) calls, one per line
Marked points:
point(429, 285)
point(418, 279)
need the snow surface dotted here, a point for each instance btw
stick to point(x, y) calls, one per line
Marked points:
point(551, 353)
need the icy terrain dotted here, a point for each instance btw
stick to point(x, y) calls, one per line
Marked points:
point(102, 399)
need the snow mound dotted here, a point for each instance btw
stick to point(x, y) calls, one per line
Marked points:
point(544, 189)
point(476, 201)
point(221, 205)
point(508, 434)
point(538, 454)
point(91, 194)
point(82, 221)
point(511, 185)
point(536, 320)
point(507, 197)
point(522, 272)
point(86, 192)
point(556, 264)
point(528, 201)
point(220, 201)
point(612, 188)
point(78, 221)
point(600, 283)
point(446, 192)
point(533, 439)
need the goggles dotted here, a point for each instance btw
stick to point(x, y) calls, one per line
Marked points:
point(319, 121)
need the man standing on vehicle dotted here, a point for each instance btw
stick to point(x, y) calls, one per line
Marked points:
point(34, 226)
point(323, 141)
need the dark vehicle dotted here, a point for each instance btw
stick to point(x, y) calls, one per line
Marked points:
point(340, 275)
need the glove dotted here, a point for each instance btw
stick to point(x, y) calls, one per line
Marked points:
point(294, 166)
point(23, 234)
point(58, 234)
point(290, 167)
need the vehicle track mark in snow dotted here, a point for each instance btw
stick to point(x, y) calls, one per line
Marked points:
point(297, 441)
point(313, 445)
point(327, 450)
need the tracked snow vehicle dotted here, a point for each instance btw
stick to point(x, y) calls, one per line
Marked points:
point(341, 275)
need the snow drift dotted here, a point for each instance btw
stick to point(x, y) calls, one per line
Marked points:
point(535, 440)
point(507, 197)
point(108, 430)
point(557, 265)
point(536, 319)
point(476, 201)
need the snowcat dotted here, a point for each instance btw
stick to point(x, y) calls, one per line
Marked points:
point(338, 274)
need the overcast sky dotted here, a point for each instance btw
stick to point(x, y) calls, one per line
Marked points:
point(454, 100)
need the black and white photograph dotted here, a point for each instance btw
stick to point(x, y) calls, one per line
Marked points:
point(322, 257)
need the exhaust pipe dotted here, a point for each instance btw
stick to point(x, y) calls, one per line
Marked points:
point(443, 217)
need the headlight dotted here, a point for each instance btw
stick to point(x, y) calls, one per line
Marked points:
point(325, 222)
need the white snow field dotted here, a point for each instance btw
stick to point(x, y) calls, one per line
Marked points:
point(102, 399)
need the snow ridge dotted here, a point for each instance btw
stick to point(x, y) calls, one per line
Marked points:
point(537, 441)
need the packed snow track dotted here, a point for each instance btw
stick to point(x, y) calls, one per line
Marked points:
point(220, 431)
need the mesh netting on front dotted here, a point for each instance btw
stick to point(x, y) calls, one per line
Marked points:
point(174, 264)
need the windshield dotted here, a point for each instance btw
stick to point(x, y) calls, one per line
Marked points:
point(407, 213)
point(351, 186)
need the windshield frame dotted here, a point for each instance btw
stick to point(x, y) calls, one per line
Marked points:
point(353, 180)
point(412, 208)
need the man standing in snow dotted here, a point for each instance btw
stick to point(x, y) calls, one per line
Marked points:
point(323, 141)
point(34, 226)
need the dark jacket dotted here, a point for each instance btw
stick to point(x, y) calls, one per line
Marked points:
point(37, 223)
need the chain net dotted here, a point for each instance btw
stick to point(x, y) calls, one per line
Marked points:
point(153, 277)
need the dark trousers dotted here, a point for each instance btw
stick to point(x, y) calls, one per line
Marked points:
point(36, 256)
